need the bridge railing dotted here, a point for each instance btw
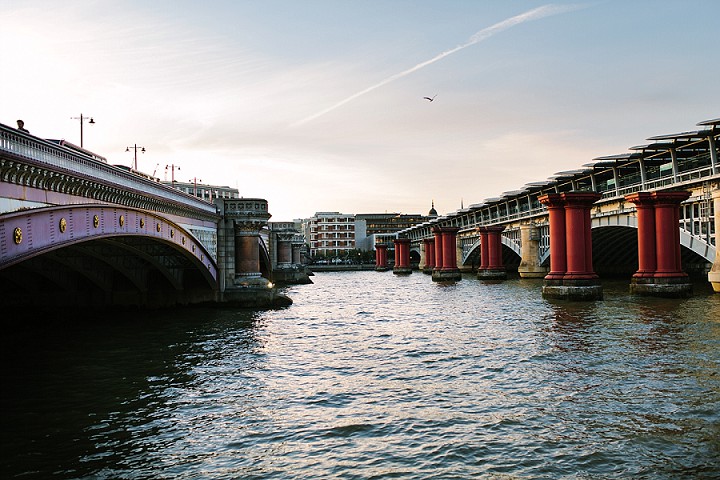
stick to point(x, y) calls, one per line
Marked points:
point(59, 158)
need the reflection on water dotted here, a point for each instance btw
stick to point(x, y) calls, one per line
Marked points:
point(372, 375)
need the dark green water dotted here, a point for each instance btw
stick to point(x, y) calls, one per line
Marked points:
point(369, 376)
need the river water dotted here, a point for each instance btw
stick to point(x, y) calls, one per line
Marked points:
point(372, 376)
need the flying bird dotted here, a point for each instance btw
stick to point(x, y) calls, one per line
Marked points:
point(430, 99)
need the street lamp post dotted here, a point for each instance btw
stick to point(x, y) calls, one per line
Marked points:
point(82, 120)
point(135, 147)
point(172, 167)
point(195, 179)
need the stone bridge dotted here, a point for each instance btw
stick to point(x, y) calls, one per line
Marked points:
point(76, 231)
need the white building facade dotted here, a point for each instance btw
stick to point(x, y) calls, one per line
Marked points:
point(330, 234)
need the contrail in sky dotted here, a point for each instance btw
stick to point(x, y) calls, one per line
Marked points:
point(485, 33)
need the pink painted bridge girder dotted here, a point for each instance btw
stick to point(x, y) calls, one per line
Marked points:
point(30, 233)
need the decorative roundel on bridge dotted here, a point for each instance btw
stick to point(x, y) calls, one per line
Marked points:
point(122, 220)
point(142, 223)
point(17, 234)
point(63, 225)
point(96, 221)
point(158, 228)
point(172, 233)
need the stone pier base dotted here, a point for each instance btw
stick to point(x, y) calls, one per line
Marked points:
point(580, 290)
point(714, 279)
point(253, 291)
point(446, 275)
point(381, 269)
point(672, 287)
point(427, 270)
point(402, 270)
point(291, 276)
point(488, 274)
point(537, 272)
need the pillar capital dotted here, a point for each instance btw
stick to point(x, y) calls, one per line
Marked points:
point(580, 198)
point(671, 197)
point(640, 198)
point(491, 228)
point(438, 229)
point(552, 200)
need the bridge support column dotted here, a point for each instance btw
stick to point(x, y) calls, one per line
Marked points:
point(245, 285)
point(402, 256)
point(571, 275)
point(295, 255)
point(714, 275)
point(429, 257)
point(530, 262)
point(247, 258)
point(491, 265)
point(288, 269)
point(659, 267)
point(284, 249)
point(446, 269)
point(381, 257)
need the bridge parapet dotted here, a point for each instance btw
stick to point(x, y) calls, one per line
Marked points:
point(33, 162)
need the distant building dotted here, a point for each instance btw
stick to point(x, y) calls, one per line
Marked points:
point(372, 228)
point(206, 192)
point(334, 233)
point(330, 233)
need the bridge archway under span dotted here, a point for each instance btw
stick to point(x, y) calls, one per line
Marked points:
point(615, 249)
point(101, 256)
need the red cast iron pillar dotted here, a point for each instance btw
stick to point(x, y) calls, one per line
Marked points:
point(491, 264)
point(402, 256)
point(448, 271)
point(437, 232)
point(381, 257)
point(667, 233)
point(578, 235)
point(571, 274)
point(556, 219)
point(659, 235)
point(484, 251)
point(429, 247)
point(645, 208)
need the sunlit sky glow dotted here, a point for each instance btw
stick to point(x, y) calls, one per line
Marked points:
point(318, 105)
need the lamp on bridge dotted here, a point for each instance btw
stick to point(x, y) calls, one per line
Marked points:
point(195, 179)
point(172, 168)
point(135, 147)
point(82, 120)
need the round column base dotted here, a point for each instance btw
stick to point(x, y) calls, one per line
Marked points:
point(446, 275)
point(714, 279)
point(381, 269)
point(488, 274)
point(668, 287)
point(532, 274)
point(580, 290)
point(250, 280)
point(427, 270)
point(402, 270)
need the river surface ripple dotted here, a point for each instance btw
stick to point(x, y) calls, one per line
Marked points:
point(372, 376)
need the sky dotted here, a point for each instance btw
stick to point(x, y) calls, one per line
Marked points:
point(317, 105)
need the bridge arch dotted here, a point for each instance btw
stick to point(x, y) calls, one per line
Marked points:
point(615, 243)
point(101, 255)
